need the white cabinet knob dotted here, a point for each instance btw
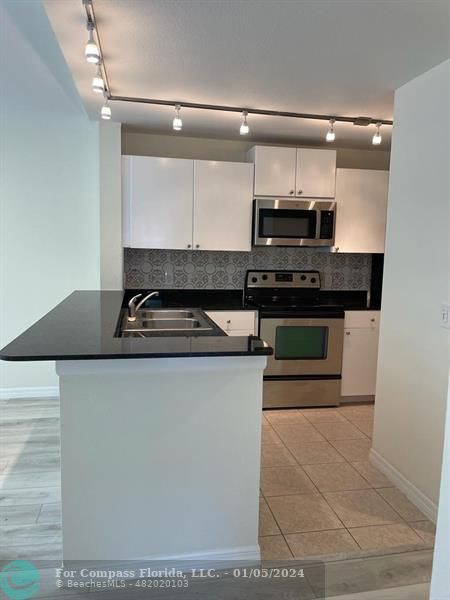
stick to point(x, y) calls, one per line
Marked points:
point(189, 246)
point(291, 193)
point(347, 333)
point(197, 245)
point(300, 192)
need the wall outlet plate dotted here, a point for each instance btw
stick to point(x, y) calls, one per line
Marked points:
point(445, 315)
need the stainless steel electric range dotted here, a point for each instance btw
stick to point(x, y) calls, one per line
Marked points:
point(305, 333)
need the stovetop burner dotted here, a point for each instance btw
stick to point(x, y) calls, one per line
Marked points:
point(288, 291)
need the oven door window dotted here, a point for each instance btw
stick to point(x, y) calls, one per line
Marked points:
point(285, 223)
point(301, 343)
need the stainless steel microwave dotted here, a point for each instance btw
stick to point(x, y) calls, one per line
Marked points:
point(293, 222)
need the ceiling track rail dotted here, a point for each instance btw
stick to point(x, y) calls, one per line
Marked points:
point(359, 121)
point(364, 121)
point(91, 18)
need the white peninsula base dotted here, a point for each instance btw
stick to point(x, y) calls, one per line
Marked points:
point(160, 458)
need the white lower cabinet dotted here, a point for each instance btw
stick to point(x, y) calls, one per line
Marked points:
point(359, 365)
point(235, 322)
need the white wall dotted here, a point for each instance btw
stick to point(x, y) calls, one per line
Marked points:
point(145, 143)
point(414, 349)
point(49, 184)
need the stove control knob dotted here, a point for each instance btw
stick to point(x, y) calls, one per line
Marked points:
point(254, 279)
point(313, 280)
point(264, 277)
point(303, 278)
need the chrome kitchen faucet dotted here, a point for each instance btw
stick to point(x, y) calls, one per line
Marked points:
point(133, 307)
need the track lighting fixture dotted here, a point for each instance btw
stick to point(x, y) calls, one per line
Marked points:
point(331, 135)
point(376, 140)
point(98, 85)
point(106, 111)
point(177, 123)
point(101, 84)
point(244, 128)
point(91, 52)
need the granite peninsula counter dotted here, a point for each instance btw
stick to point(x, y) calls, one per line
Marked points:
point(160, 436)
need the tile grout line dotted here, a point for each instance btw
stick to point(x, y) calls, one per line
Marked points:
point(297, 463)
point(279, 527)
point(391, 506)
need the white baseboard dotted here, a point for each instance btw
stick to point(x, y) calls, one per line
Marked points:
point(418, 498)
point(223, 557)
point(209, 559)
point(29, 392)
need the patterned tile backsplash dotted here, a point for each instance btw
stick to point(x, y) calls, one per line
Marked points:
point(179, 269)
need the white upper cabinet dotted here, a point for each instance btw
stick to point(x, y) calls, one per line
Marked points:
point(274, 170)
point(165, 206)
point(222, 205)
point(158, 194)
point(316, 173)
point(294, 172)
point(361, 197)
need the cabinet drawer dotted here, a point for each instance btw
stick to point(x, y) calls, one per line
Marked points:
point(234, 321)
point(362, 318)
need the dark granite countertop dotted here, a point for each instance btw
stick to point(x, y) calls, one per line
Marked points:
point(234, 299)
point(84, 325)
point(204, 299)
point(349, 299)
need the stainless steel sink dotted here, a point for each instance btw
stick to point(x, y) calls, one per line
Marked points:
point(156, 321)
point(164, 325)
point(145, 313)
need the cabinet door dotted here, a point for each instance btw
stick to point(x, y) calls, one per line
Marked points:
point(274, 171)
point(235, 322)
point(359, 364)
point(160, 198)
point(316, 173)
point(126, 201)
point(222, 205)
point(361, 206)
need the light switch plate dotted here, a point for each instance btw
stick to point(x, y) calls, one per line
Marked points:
point(445, 315)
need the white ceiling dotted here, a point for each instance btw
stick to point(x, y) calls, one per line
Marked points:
point(318, 56)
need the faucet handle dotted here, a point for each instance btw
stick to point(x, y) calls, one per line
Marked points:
point(133, 299)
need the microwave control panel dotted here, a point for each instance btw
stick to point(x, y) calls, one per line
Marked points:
point(326, 224)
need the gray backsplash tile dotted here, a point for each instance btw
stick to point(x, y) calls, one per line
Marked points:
point(226, 270)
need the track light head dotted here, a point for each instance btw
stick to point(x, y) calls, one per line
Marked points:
point(91, 51)
point(244, 128)
point(98, 85)
point(331, 135)
point(177, 123)
point(376, 140)
point(105, 113)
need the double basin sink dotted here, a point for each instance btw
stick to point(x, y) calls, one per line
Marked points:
point(158, 321)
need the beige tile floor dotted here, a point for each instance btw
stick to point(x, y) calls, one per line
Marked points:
point(320, 495)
